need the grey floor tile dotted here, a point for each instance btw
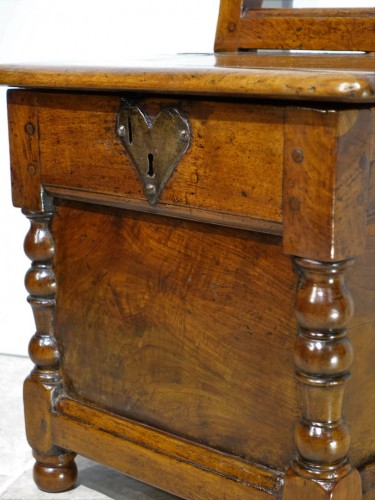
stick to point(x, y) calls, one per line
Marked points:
point(15, 452)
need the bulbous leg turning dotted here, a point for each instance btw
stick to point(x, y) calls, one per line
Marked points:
point(55, 469)
point(323, 356)
point(55, 473)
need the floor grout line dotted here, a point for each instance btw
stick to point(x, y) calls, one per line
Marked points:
point(14, 478)
point(23, 356)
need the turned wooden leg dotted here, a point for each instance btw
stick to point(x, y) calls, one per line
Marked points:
point(55, 469)
point(323, 355)
point(55, 473)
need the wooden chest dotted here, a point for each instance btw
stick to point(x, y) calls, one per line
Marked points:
point(198, 334)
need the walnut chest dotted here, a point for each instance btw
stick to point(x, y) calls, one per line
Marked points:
point(203, 277)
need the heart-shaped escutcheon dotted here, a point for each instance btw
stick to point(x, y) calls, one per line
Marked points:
point(154, 147)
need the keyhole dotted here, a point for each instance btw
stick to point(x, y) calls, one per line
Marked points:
point(151, 171)
point(130, 132)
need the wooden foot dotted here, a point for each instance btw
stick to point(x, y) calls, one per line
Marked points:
point(346, 488)
point(55, 473)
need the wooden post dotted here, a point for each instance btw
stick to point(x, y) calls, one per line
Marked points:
point(55, 469)
point(323, 355)
point(325, 181)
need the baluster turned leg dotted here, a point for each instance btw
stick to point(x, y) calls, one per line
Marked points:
point(323, 355)
point(55, 469)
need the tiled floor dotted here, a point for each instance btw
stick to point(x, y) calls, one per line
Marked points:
point(94, 482)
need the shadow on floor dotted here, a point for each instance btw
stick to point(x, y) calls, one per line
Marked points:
point(115, 485)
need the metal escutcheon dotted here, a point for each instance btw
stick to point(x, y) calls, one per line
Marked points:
point(154, 147)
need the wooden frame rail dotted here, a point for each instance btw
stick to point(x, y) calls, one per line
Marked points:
point(243, 28)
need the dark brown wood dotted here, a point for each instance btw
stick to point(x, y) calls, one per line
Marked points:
point(297, 77)
point(169, 296)
point(158, 454)
point(371, 200)
point(302, 29)
point(323, 357)
point(24, 153)
point(227, 184)
point(359, 403)
point(326, 172)
point(226, 189)
point(327, 157)
point(165, 332)
point(54, 469)
point(368, 480)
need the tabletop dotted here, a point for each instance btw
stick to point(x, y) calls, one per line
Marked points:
point(341, 77)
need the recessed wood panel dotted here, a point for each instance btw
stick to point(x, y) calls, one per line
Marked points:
point(165, 322)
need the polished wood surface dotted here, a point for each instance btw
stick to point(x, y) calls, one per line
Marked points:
point(326, 170)
point(218, 344)
point(243, 27)
point(170, 292)
point(178, 313)
point(221, 189)
point(54, 470)
point(317, 77)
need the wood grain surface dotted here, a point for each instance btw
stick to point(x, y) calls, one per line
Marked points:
point(313, 77)
point(176, 315)
point(24, 153)
point(79, 155)
point(152, 455)
point(242, 27)
point(359, 404)
point(166, 347)
point(326, 172)
point(229, 153)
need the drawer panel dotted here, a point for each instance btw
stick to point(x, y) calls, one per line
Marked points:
point(231, 173)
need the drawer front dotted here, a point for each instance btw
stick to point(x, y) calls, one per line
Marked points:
point(231, 173)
